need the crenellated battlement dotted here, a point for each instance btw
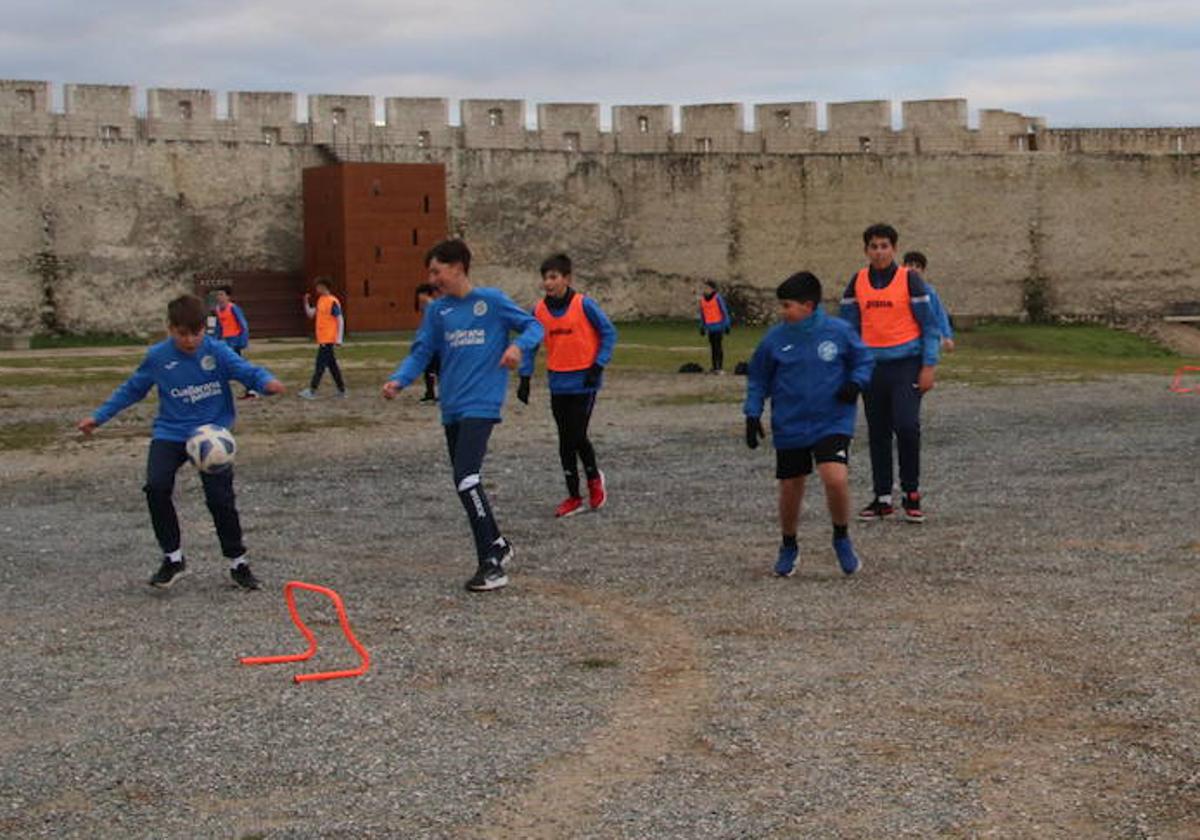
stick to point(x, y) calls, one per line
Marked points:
point(929, 126)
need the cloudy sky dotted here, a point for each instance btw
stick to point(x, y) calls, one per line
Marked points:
point(1075, 62)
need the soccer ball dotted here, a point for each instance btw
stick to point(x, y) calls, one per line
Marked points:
point(211, 448)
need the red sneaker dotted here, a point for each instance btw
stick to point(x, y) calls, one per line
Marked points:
point(878, 509)
point(569, 507)
point(912, 508)
point(597, 493)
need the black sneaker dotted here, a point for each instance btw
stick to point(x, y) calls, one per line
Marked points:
point(168, 573)
point(243, 577)
point(428, 398)
point(490, 575)
point(878, 509)
point(504, 553)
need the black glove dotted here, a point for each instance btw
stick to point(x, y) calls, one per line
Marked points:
point(592, 378)
point(728, 330)
point(849, 392)
point(523, 390)
point(754, 432)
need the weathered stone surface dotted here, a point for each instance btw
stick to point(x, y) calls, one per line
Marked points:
point(97, 235)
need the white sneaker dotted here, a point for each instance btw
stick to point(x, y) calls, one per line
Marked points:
point(307, 394)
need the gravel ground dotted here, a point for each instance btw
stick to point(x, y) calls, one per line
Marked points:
point(1024, 665)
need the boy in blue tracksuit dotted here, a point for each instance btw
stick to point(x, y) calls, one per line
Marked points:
point(916, 261)
point(191, 372)
point(232, 326)
point(579, 341)
point(468, 328)
point(714, 323)
point(812, 368)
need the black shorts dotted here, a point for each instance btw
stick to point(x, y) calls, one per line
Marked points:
point(793, 463)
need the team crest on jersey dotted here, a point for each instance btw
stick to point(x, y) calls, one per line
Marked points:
point(827, 351)
point(480, 308)
point(208, 363)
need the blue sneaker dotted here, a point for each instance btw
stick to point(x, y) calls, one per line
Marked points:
point(785, 566)
point(847, 559)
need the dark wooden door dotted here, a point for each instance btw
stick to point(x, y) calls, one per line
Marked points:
point(271, 300)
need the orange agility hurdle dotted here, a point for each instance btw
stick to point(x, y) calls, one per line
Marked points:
point(1176, 386)
point(289, 589)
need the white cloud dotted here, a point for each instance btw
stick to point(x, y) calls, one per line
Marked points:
point(1070, 60)
point(1114, 86)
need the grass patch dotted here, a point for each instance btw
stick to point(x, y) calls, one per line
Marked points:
point(42, 378)
point(28, 435)
point(998, 353)
point(642, 344)
point(122, 362)
point(992, 354)
point(55, 342)
point(1082, 340)
point(1006, 354)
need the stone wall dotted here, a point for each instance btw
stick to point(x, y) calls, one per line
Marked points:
point(98, 234)
point(99, 228)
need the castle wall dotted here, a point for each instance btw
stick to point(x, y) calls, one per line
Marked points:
point(570, 127)
point(269, 118)
point(715, 128)
point(104, 111)
point(494, 123)
point(786, 126)
point(642, 128)
point(181, 114)
point(936, 125)
point(97, 232)
point(337, 118)
point(423, 122)
point(98, 235)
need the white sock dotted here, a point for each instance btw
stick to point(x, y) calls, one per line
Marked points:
point(887, 500)
point(237, 561)
point(175, 556)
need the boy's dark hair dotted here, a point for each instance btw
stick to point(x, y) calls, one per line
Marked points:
point(327, 282)
point(187, 312)
point(916, 258)
point(802, 286)
point(227, 289)
point(880, 231)
point(422, 289)
point(712, 284)
point(557, 262)
point(450, 251)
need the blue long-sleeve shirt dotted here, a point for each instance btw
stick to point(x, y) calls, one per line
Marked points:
point(939, 312)
point(572, 381)
point(469, 335)
point(927, 345)
point(799, 368)
point(242, 339)
point(193, 388)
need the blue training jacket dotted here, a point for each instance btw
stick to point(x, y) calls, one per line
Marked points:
point(571, 381)
point(939, 312)
point(799, 368)
point(469, 335)
point(193, 388)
